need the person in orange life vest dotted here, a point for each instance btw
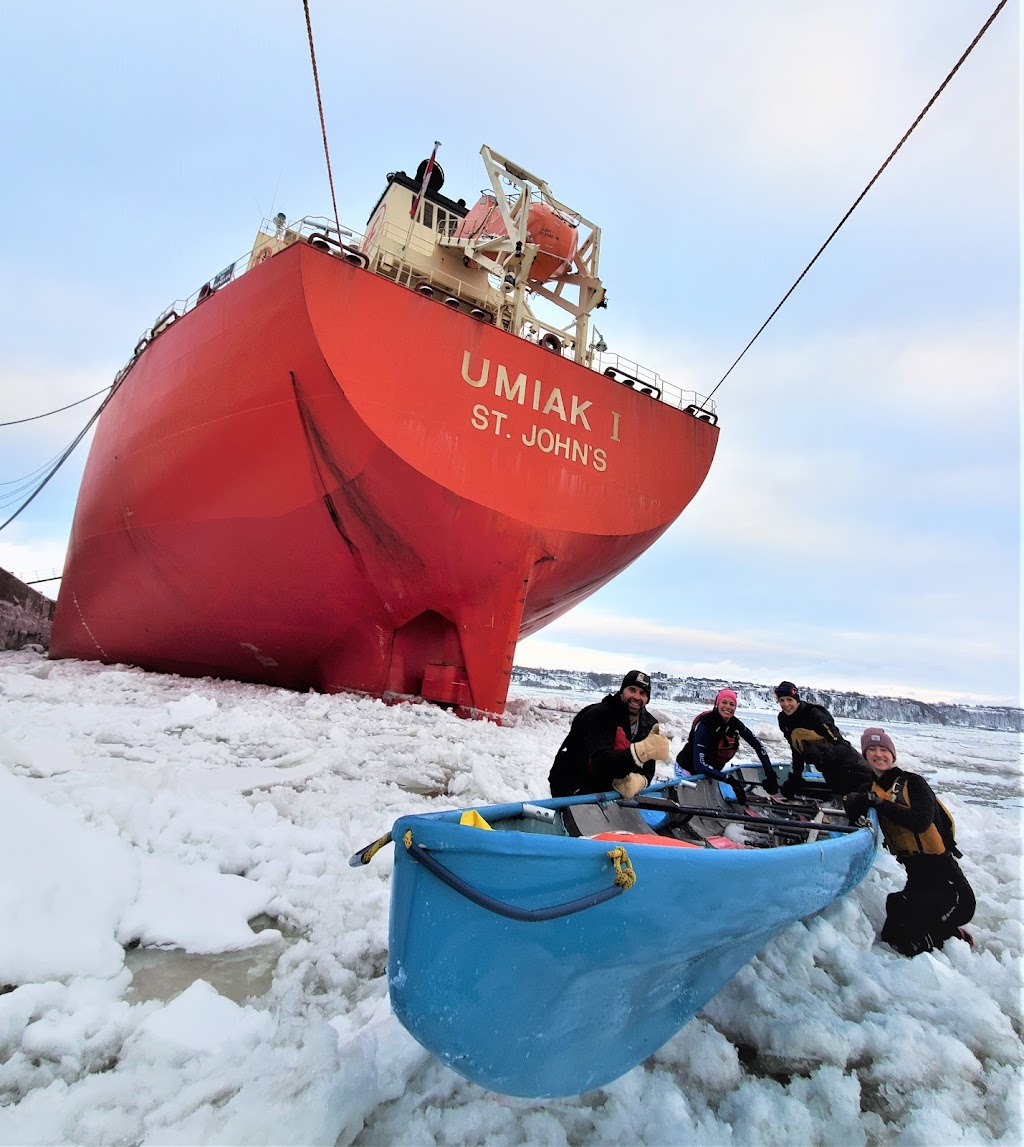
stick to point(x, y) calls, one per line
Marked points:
point(713, 741)
point(937, 900)
point(815, 740)
point(612, 744)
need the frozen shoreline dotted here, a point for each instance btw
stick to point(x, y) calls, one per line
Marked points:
point(152, 808)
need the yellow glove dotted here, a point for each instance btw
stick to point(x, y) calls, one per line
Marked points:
point(629, 785)
point(802, 739)
point(654, 747)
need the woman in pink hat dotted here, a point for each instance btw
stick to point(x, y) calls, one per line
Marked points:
point(714, 738)
point(917, 828)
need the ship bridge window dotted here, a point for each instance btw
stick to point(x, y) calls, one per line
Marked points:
point(433, 217)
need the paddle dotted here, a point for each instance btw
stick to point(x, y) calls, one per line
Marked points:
point(658, 804)
point(369, 851)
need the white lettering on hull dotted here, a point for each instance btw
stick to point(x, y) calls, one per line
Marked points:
point(549, 401)
point(571, 449)
point(482, 380)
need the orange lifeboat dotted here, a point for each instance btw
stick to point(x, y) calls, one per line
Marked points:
point(555, 235)
point(483, 219)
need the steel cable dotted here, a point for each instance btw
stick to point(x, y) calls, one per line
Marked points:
point(34, 417)
point(906, 135)
point(62, 458)
point(320, 108)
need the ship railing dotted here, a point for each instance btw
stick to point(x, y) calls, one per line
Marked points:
point(310, 224)
point(641, 378)
point(449, 289)
point(305, 229)
point(400, 241)
point(308, 227)
point(388, 260)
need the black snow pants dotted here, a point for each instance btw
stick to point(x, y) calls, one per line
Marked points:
point(842, 767)
point(936, 901)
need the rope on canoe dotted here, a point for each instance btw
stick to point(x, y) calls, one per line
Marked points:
point(625, 877)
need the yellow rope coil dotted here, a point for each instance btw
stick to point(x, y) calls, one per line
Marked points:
point(624, 873)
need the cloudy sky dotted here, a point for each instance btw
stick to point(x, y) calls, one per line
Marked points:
point(860, 525)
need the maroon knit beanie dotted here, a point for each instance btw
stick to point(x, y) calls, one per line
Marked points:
point(877, 737)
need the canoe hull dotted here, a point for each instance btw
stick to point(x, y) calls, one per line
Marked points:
point(557, 1007)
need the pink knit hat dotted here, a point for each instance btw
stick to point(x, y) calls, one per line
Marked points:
point(877, 737)
point(730, 693)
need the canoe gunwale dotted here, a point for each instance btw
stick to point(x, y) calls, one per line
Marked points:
point(568, 845)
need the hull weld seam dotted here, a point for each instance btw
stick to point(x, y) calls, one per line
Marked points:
point(103, 652)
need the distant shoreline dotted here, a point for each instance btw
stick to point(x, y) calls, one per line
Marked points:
point(858, 706)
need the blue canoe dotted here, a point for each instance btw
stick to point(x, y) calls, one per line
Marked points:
point(538, 963)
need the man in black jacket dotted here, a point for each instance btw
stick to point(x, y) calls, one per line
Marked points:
point(611, 745)
point(815, 741)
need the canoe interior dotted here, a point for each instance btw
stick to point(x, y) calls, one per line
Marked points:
point(603, 815)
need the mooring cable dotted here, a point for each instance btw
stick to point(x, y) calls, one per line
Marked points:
point(35, 417)
point(906, 135)
point(62, 457)
point(320, 109)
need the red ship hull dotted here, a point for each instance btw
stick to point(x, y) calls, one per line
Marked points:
point(317, 478)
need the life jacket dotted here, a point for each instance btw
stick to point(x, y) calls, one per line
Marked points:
point(825, 717)
point(801, 736)
point(936, 840)
point(727, 747)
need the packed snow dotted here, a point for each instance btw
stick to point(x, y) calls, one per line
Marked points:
point(187, 957)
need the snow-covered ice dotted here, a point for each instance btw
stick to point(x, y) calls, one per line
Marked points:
point(196, 835)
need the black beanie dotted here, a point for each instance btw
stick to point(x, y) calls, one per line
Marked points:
point(638, 678)
point(786, 689)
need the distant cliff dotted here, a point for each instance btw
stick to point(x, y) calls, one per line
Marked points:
point(702, 690)
point(25, 615)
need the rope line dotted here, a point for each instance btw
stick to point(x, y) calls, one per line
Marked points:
point(19, 421)
point(19, 485)
point(906, 135)
point(320, 109)
point(625, 877)
point(63, 457)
